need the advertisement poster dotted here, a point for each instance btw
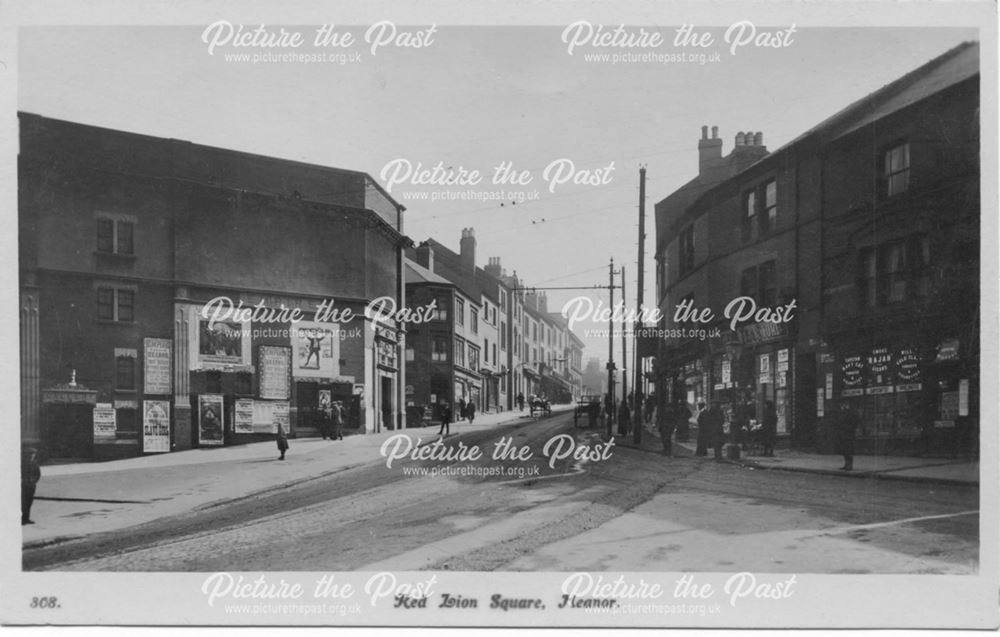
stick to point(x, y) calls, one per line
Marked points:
point(104, 422)
point(243, 416)
point(211, 420)
point(155, 426)
point(594, 234)
point(275, 372)
point(316, 349)
point(157, 355)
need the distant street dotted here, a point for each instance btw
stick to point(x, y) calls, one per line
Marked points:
point(635, 511)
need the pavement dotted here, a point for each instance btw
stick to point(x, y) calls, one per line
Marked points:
point(961, 472)
point(75, 500)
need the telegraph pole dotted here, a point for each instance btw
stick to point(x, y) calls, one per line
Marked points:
point(611, 351)
point(624, 351)
point(637, 431)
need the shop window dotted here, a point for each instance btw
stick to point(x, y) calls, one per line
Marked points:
point(126, 423)
point(686, 249)
point(115, 236)
point(115, 304)
point(896, 169)
point(459, 353)
point(125, 366)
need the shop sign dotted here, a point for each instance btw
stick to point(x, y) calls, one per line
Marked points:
point(126, 403)
point(782, 356)
point(826, 358)
point(758, 333)
point(908, 366)
point(882, 389)
point(268, 415)
point(819, 402)
point(275, 372)
point(104, 421)
point(316, 349)
point(963, 397)
point(878, 365)
point(906, 387)
point(782, 366)
point(211, 419)
point(829, 386)
point(947, 351)
point(243, 416)
point(782, 378)
point(853, 372)
point(847, 393)
point(409, 390)
point(156, 426)
point(157, 353)
point(949, 405)
point(727, 371)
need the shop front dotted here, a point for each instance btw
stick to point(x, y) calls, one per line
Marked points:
point(913, 397)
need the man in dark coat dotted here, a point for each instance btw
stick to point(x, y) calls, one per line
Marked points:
point(470, 411)
point(846, 424)
point(31, 473)
point(445, 420)
point(666, 420)
point(769, 430)
point(704, 436)
point(337, 419)
point(282, 440)
point(712, 422)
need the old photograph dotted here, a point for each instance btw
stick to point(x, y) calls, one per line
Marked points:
point(679, 317)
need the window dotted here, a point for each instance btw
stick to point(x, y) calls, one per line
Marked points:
point(687, 250)
point(115, 304)
point(896, 169)
point(760, 210)
point(410, 354)
point(494, 353)
point(440, 313)
point(439, 353)
point(486, 350)
point(894, 272)
point(459, 353)
point(125, 364)
point(749, 214)
point(459, 311)
point(760, 283)
point(748, 283)
point(473, 357)
point(474, 320)
point(503, 336)
point(114, 236)
point(503, 301)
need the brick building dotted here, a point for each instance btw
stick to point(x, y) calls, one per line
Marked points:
point(869, 222)
point(125, 238)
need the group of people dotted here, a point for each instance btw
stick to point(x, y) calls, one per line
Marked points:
point(466, 410)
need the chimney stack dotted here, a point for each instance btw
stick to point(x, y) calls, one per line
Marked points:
point(493, 267)
point(425, 256)
point(468, 248)
point(709, 149)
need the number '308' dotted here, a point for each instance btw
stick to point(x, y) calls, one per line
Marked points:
point(44, 602)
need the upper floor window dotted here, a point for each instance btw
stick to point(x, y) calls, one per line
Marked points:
point(894, 272)
point(115, 304)
point(439, 352)
point(474, 320)
point(460, 311)
point(687, 250)
point(896, 169)
point(459, 352)
point(760, 283)
point(125, 365)
point(115, 236)
point(473, 357)
point(440, 312)
point(411, 355)
point(760, 210)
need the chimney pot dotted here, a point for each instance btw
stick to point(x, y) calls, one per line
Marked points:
point(758, 139)
point(704, 132)
point(741, 138)
point(715, 132)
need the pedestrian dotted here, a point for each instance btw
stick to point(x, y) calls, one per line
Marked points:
point(31, 473)
point(703, 432)
point(337, 416)
point(520, 401)
point(624, 418)
point(770, 427)
point(846, 424)
point(648, 409)
point(462, 408)
point(470, 411)
point(713, 422)
point(445, 419)
point(666, 421)
point(282, 441)
point(326, 422)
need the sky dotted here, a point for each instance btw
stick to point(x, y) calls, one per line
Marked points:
point(471, 98)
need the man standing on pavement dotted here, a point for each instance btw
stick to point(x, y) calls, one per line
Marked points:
point(31, 473)
point(846, 425)
point(712, 423)
point(703, 433)
point(337, 415)
point(666, 420)
point(445, 419)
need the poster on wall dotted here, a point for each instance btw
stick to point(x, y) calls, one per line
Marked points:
point(316, 350)
point(156, 426)
point(218, 344)
point(243, 416)
point(157, 355)
point(104, 422)
point(210, 419)
point(275, 365)
point(268, 415)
